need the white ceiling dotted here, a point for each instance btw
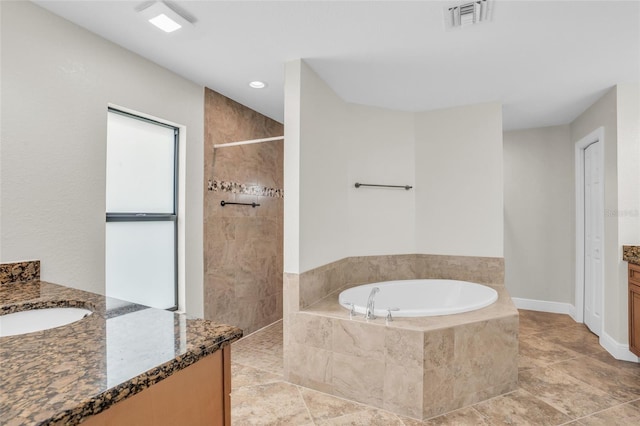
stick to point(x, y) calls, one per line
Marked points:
point(545, 61)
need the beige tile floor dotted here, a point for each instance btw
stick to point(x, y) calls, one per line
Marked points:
point(565, 378)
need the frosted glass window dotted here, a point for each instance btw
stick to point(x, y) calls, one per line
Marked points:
point(141, 230)
point(140, 165)
point(140, 262)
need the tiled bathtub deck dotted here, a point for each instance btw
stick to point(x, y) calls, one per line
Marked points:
point(565, 378)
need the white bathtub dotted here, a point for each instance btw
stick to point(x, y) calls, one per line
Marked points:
point(420, 298)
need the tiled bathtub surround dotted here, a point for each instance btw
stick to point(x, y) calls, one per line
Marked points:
point(566, 378)
point(320, 282)
point(242, 245)
point(416, 367)
point(13, 272)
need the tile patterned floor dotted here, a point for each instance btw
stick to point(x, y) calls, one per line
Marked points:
point(566, 378)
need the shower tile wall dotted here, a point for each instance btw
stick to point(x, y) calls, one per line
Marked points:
point(242, 245)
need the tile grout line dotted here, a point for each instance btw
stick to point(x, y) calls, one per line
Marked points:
point(578, 379)
point(490, 399)
point(304, 402)
point(606, 409)
point(591, 356)
point(345, 415)
point(545, 402)
point(249, 387)
point(569, 422)
point(482, 416)
point(562, 327)
point(258, 384)
point(473, 406)
point(586, 385)
point(571, 417)
point(259, 330)
point(257, 368)
point(588, 356)
point(362, 406)
point(397, 417)
point(554, 363)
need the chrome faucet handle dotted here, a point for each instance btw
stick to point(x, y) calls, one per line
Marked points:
point(352, 310)
point(389, 317)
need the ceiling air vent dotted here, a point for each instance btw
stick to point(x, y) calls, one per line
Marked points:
point(465, 14)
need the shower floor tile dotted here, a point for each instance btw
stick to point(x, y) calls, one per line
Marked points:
point(261, 350)
point(566, 378)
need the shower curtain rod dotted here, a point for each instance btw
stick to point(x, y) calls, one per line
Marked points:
point(250, 141)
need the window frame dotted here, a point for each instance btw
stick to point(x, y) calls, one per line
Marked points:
point(153, 217)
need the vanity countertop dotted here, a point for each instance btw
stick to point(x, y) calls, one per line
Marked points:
point(631, 254)
point(65, 374)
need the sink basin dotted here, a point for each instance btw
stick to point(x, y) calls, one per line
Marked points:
point(39, 319)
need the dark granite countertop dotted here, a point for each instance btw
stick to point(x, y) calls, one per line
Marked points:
point(64, 374)
point(631, 254)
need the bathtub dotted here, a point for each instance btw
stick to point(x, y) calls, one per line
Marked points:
point(420, 298)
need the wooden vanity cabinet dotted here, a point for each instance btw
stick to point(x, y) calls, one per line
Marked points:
point(198, 395)
point(634, 308)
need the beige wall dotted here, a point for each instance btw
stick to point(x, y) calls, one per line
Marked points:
point(315, 174)
point(629, 163)
point(540, 195)
point(292, 90)
point(628, 211)
point(57, 81)
point(381, 150)
point(459, 189)
point(330, 145)
point(323, 173)
point(539, 230)
point(455, 207)
point(242, 245)
point(604, 113)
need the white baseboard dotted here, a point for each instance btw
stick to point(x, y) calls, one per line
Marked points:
point(616, 349)
point(545, 306)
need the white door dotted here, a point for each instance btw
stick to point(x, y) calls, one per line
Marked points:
point(593, 232)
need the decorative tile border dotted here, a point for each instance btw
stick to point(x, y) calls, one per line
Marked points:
point(241, 188)
point(19, 271)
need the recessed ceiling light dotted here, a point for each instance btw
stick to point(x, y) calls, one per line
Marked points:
point(165, 23)
point(258, 84)
point(163, 17)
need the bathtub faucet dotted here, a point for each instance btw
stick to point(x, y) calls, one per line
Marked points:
point(370, 312)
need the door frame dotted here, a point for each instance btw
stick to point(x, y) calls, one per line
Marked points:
point(595, 136)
